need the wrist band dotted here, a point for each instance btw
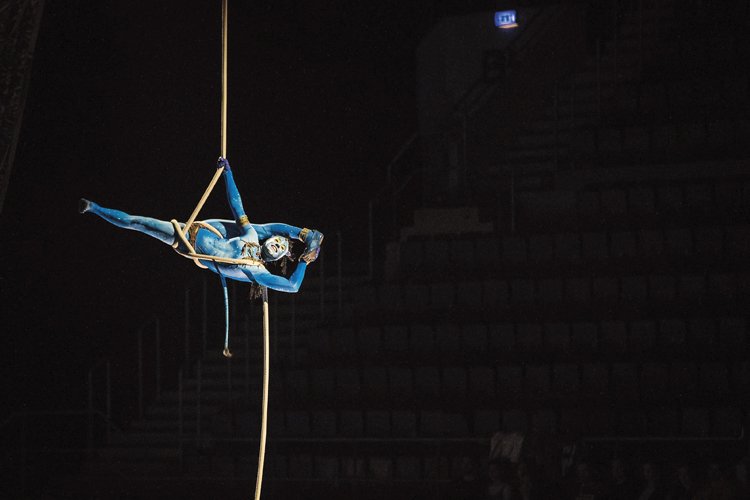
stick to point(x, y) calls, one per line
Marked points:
point(303, 234)
point(244, 220)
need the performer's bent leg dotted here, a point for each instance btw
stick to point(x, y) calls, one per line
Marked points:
point(159, 229)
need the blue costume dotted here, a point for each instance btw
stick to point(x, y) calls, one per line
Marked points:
point(254, 244)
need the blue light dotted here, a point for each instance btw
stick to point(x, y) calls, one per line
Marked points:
point(506, 19)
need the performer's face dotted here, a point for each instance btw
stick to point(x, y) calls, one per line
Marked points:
point(275, 248)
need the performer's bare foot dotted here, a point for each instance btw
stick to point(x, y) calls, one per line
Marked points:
point(84, 206)
point(223, 163)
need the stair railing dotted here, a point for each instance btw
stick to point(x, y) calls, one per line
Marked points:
point(155, 323)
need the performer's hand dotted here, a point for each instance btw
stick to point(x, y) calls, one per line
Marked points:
point(313, 240)
point(223, 163)
point(310, 255)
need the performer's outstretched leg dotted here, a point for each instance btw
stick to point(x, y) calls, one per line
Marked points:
point(159, 229)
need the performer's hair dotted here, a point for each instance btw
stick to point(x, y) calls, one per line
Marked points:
point(256, 291)
point(290, 256)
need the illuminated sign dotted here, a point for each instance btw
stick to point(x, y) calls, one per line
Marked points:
point(506, 19)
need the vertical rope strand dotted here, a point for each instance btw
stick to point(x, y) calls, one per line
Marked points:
point(224, 98)
point(224, 93)
point(264, 410)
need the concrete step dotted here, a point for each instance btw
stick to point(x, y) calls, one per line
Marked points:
point(217, 370)
point(653, 22)
point(527, 171)
point(210, 396)
point(166, 423)
point(567, 95)
point(547, 124)
point(530, 155)
point(137, 439)
point(137, 453)
point(141, 468)
point(591, 77)
point(544, 139)
point(162, 410)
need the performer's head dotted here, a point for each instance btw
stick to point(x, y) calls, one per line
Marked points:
point(274, 248)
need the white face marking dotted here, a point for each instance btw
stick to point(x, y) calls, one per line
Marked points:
point(276, 247)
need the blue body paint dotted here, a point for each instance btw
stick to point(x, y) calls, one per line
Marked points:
point(239, 239)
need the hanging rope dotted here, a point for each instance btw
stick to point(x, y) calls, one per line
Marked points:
point(192, 254)
point(224, 92)
point(264, 408)
point(224, 99)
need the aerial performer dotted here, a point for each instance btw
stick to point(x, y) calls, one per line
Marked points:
point(237, 249)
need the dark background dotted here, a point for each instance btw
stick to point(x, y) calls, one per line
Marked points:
point(123, 108)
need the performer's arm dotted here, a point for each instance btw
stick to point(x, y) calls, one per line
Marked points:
point(279, 283)
point(278, 229)
point(312, 238)
point(233, 195)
